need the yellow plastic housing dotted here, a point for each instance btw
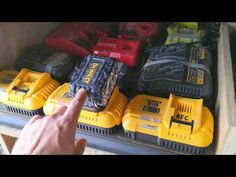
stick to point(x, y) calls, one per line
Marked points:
point(177, 119)
point(6, 77)
point(192, 34)
point(107, 118)
point(29, 90)
point(190, 25)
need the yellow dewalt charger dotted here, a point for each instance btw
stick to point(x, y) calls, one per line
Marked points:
point(178, 123)
point(25, 92)
point(6, 77)
point(103, 122)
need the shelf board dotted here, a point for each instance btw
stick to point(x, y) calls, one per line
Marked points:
point(117, 143)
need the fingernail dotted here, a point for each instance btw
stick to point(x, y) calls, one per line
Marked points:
point(82, 90)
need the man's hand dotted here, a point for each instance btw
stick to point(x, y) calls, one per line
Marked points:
point(54, 134)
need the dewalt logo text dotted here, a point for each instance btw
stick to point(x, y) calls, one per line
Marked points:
point(92, 70)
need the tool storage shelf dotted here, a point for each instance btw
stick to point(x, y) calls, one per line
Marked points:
point(17, 35)
point(116, 143)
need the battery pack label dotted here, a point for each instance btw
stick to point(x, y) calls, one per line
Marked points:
point(197, 54)
point(56, 59)
point(90, 73)
point(195, 76)
point(202, 54)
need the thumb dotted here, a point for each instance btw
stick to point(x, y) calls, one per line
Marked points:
point(80, 146)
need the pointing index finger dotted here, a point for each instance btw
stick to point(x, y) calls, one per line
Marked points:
point(75, 106)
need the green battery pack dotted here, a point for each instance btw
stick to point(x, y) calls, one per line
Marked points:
point(186, 32)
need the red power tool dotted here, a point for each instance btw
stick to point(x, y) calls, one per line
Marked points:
point(140, 30)
point(77, 39)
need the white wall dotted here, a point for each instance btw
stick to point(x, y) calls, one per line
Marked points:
point(15, 35)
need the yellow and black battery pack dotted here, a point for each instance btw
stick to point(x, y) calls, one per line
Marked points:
point(27, 92)
point(181, 69)
point(97, 75)
point(6, 77)
point(41, 59)
point(104, 122)
point(178, 123)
